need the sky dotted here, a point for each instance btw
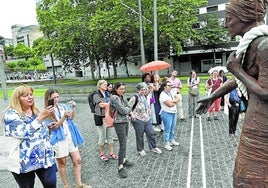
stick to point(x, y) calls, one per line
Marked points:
point(16, 12)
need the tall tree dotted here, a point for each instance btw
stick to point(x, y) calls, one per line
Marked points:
point(83, 32)
point(213, 35)
point(22, 51)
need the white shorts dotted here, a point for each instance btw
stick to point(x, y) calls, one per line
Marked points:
point(63, 148)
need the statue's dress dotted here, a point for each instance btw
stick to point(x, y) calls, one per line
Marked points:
point(251, 166)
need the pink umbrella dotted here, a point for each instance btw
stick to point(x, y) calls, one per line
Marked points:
point(154, 66)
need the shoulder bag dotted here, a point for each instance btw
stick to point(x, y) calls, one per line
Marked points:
point(9, 154)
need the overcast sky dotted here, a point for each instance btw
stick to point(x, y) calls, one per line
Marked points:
point(16, 12)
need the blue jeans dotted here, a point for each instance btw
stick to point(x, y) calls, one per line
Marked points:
point(47, 177)
point(141, 128)
point(121, 130)
point(169, 120)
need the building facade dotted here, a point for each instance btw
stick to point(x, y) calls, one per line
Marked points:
point(199, 57)
point(25, 34)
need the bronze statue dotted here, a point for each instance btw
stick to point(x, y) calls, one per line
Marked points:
point(249, 64)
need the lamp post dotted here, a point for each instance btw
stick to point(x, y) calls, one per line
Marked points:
point(3, 79)
point(141, 35)
point(155, 32)
point(141, 30)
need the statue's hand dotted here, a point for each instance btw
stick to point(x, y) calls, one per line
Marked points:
point(204, 104)
point(234, 64)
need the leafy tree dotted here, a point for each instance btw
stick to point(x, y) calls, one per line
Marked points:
point(34, 61)
point(9, 51)
point(89, 32)
point(23, 64)
point(11, 65)
point(22, 51)
point(213, 35)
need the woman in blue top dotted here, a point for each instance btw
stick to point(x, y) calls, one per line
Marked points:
point(24, 121)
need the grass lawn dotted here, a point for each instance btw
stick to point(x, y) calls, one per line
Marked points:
point(76, 86)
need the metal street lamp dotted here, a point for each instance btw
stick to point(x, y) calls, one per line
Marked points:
point(141, 35)
point(155, 32)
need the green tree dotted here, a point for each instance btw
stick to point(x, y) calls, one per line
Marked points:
point(22, 51)
point(87, 33)
point(9, 51)
point(23, 65)
point(213, 35)
point(11, 65)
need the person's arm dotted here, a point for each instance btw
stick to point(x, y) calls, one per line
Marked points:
point(226, 99)
point(179, 84)
point(173, 102)
point(116, 104)
point(23, 127)
point(189, 85)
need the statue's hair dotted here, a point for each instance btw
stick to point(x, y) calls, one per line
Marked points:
point(248, 10)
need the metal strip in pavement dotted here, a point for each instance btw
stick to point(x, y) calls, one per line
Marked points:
point(202, 154)
point(190, 155)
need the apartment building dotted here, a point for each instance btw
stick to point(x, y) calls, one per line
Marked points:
point(197, 57)
point(25, 34)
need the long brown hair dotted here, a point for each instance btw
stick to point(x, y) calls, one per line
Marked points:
point(48, 94)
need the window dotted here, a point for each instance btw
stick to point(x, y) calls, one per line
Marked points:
point(212, 9)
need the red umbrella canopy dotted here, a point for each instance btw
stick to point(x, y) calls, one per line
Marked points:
point(154, 66)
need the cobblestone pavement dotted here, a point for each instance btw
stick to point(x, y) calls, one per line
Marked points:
point(205, 157)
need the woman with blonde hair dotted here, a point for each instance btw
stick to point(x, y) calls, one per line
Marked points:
point(100, 99)
point(24, 121)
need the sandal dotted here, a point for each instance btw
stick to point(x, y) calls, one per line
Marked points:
point(104, 157)
point(114, 156)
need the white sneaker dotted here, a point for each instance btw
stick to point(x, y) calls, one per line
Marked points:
point(156, 128)
point(168, 147)
point(162, 126)
point(157, 150)
point(142, 153)
point(174, 143)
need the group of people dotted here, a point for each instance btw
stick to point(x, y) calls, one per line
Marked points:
point(47, 137)
point(230, 103)
point(139, 112)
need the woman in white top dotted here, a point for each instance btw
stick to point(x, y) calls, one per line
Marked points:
point(168, 101)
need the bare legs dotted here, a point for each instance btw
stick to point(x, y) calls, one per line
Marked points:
point(76, 160)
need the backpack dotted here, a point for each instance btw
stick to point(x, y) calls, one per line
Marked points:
point(91, 102)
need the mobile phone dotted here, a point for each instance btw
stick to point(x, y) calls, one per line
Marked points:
point(51, 125)
point(51, 102)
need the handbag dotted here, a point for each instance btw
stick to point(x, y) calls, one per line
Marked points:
point(194, 91)
point(9, 154)
point(109, 119)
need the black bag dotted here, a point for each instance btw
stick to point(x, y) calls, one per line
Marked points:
point(91, 102)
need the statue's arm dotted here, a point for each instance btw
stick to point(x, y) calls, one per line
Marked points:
point(205, 102)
